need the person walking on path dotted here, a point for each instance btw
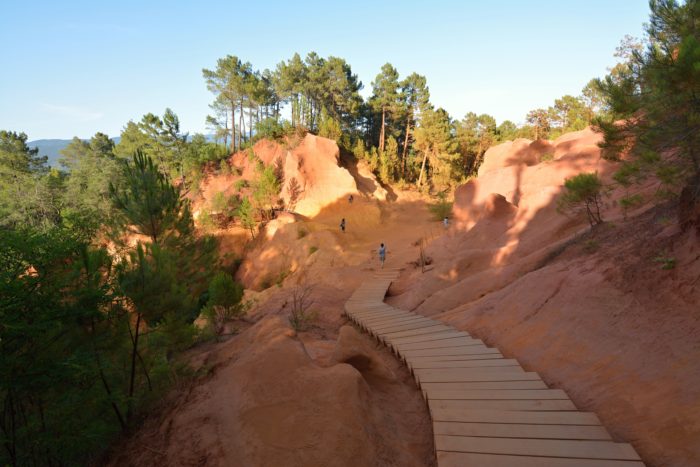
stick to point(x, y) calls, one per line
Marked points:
point(342, 225)
point(350, 199)
point(446, 222)
point(382, 254)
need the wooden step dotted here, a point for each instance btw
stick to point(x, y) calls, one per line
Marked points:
point(582, 449)
point(499, 362)
point(457, 358)
point(491, 385)
point(470, 375)
point(440, 343)
point(450, 333)
point(381, 320)
point(415, 332)
point(546, 405)
point(525, 417)
point(450, 351)
point(515, 430)
point(461, 459)
point(507, 394)
point(395, 327)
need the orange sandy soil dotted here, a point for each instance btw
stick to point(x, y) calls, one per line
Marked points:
point(593, 312)
point(327, 396)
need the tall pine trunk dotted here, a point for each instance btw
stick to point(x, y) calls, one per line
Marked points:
point(404, 153)
point(381, 132)
point(241, 126)
point(422, 168)
point(132, 378)
point(233, 126)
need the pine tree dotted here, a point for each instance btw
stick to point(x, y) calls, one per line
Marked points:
point(656, 93)
point(434, 140)
point(247, 217)
point(384, 98)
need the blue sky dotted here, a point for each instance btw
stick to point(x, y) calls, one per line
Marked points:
point(74, 68)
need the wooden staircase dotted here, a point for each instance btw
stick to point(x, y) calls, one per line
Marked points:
point(487, 411)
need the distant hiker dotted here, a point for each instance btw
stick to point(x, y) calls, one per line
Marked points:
point(446, 222)
point(350, 199)
point(382, 254)
point(342, 225)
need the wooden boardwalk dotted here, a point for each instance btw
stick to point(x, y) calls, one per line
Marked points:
point(487, 411)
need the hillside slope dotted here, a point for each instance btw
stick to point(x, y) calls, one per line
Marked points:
point(611, 315)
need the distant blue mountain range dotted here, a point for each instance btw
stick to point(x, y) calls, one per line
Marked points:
point(52, 147)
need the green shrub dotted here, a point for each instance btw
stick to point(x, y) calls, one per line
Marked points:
point(269, 128)
point(313, 250)
point(590, 245)
point(547, 157)
point(206, 221)
point(301, 233)
point(583, 192)
point(441, 208)
point(240, 184)
point(225, 302)
point(666, 263)
point(329, 127)
point(630, 202)
point(281, 277)
point(219, 202)
point(224, 167)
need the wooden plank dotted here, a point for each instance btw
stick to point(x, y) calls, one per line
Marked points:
point(440, 343)
point(514, 430)
point(547, 405)
point(358, 309)
point(494, 385)
point(362, 307)
point(382, 319)
point(450, 333)
point(407, 318)
point(456, 358)
point(461, 459)
point(385, 319)
point(484, 394)
point(528, 418)
point(499, 362)
point(379, 311)
point(384, 315)
point(416, 332)
point(450, 351)
point(403, 326)
point(453, 375)
point(538, 447)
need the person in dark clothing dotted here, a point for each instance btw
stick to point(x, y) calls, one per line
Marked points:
point(342, 225)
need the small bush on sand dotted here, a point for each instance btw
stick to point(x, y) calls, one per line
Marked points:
point(590, 245)
point(225, 302)
point(301, 315)
point(441, 208)
point(666, 263)
point(281, 277)
point(583, 192)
